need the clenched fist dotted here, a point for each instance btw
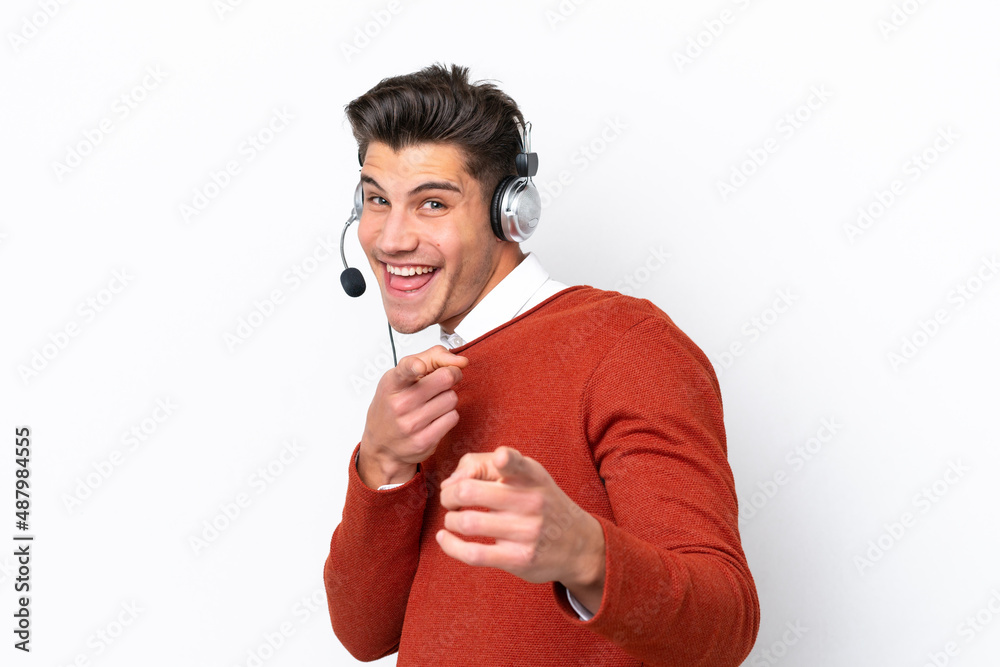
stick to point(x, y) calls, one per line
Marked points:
point(413, 407)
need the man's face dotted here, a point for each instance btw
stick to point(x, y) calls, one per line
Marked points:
point(424, 215)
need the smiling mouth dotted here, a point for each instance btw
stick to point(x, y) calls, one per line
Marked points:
point(408, 270)
point(407, 279)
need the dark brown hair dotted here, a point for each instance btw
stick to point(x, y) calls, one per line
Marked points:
point(438, 105)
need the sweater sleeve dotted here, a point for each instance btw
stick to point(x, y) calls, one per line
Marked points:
point(677, 588)
point(372, 561)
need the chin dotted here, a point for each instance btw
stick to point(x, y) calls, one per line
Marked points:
point(413, 317)
point(405, 328)
point(434, 306)
point(408, 323)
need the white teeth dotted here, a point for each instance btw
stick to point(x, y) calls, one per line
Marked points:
point(408, 270)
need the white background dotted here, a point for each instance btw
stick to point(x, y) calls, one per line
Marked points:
point(650, 186)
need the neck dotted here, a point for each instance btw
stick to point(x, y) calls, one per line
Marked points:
point(510, 257)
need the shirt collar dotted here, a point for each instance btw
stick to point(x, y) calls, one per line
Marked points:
point(502, 303)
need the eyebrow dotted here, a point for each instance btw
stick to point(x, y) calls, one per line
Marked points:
point(429, 185)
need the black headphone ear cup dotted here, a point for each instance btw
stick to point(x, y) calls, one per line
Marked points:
point(496, 215)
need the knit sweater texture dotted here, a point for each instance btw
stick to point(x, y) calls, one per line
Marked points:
point(624, 412)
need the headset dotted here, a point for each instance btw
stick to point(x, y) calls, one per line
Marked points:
point(514, 211)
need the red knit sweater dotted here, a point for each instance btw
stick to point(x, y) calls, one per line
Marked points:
point(624, 412)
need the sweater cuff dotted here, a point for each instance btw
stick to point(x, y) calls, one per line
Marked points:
point(631, 568)
point(408, 492)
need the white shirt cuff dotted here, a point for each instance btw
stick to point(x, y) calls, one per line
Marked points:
point(580, 610)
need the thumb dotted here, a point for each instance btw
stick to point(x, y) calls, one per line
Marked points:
point(414, 367)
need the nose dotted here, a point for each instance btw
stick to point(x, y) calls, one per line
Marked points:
point(398, 234)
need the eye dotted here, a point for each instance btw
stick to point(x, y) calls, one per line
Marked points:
point(439, 205)
point(375, 200)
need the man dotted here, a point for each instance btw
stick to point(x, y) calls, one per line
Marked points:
point(553, 489)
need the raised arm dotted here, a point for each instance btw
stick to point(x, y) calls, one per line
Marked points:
point(375, 549)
